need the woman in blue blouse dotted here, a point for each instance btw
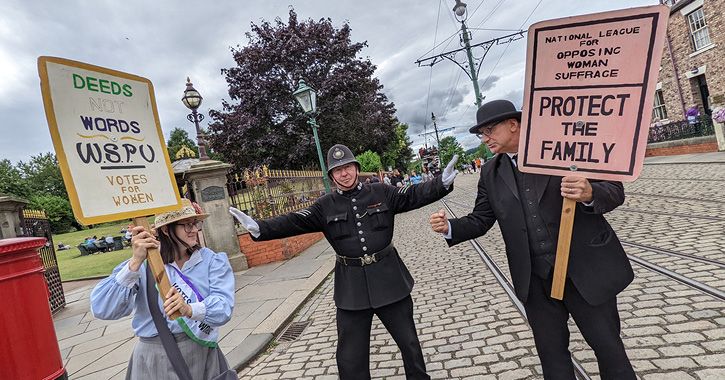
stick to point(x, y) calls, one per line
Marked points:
point(202, 291)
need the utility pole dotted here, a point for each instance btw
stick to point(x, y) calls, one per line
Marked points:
point(474, 73)
point(433, 117)
point(474, 64)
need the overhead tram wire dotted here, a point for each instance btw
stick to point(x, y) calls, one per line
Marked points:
point(530, 14)
point(490, 14)
point(452, 91)
point(475, 10)
point(495, 29)
point(507, 45)
point(430, 75)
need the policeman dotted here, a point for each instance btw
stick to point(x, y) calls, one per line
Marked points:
point(370, 277)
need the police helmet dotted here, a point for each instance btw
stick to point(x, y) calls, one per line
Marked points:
point(339, 155)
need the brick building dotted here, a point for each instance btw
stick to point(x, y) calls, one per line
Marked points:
point(692, 72)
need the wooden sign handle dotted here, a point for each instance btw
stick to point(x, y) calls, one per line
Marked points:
point(562, 248)
point(153, 258)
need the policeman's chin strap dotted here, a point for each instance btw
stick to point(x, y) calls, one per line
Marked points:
point(357, 179)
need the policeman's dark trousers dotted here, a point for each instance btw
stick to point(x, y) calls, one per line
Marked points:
point(598, 324)
point(353, 340)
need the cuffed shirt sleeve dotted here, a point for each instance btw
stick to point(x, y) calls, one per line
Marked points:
point(198, 311)
point(449, 235)
point(126, 277)
point(113, 297)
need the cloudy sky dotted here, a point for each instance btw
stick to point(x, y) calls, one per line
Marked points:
point(166, 41)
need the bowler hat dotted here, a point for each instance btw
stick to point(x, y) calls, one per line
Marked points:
point(494, 111)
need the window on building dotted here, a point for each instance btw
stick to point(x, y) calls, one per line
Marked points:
point(659, 111)
point(698, 29)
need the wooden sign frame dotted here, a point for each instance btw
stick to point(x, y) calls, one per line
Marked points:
point(574, 67)
point(99, 96)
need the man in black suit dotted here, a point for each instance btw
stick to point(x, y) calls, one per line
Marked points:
point(528, 210)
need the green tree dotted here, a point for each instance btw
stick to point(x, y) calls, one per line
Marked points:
point(415, 165)
point(449, 147)
point(263, 124)
point(12, 181)
point(178, 138)
point(57, 209)
point(369, 162)
point(399, 153)
point(481, 151)
point(43, 176)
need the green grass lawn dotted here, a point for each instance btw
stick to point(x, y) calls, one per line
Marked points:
point(73, 266)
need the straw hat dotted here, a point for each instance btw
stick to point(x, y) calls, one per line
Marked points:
point(188, 211)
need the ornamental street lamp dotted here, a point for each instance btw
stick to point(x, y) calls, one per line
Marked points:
point(307, 98)
point(472, 65)
point(192, 100)
point(433, 117)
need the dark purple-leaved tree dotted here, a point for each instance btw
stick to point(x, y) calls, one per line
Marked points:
point(263, 124)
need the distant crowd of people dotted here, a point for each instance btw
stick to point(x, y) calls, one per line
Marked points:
point(399, 179)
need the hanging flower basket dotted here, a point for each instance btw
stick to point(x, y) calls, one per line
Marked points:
point(719, 115)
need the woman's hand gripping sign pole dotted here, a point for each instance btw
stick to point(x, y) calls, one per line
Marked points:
point(153, 258)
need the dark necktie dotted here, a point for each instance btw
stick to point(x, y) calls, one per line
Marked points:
point(514, 164)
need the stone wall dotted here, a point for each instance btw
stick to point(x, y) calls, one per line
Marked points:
point(264, 252)
point(704, 144)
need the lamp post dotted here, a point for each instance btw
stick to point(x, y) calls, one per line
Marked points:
point(461, 14)
point(192, 100)
point(307, 98)
point(460, 10)
point(433, 117)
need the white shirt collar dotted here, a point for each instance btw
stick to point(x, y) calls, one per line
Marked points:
point(193, 260)
point(511, 157)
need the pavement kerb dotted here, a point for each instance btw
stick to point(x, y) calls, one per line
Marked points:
point(258, 340)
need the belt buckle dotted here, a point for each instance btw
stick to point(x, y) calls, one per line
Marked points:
point(367, 259)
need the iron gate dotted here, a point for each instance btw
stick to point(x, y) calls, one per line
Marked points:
point(35, 224)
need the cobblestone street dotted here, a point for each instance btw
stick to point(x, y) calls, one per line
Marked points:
point(470, 329)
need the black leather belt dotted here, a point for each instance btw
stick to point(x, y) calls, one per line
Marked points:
point(365, 259)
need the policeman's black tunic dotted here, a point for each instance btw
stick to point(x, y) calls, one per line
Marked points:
point(358, 222)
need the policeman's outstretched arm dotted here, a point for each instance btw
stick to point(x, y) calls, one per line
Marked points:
point(449, 173)
point(247, 222)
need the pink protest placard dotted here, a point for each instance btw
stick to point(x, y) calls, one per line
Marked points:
point(589, 92)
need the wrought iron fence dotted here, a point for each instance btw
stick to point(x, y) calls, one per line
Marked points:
point(36, 224)
point(264, 193)
point(681, 130)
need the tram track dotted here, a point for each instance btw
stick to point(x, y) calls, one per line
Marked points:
point(715, 218)
point(634, 193)
point(697, 285)
point(680, 179)
point(675, 197)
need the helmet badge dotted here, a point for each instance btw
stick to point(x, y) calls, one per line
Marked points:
point(338, 154)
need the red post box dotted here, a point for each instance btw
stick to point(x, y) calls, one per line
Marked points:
point(28, 345)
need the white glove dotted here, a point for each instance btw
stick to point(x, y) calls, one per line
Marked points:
point(247, 222)
point(448, 173)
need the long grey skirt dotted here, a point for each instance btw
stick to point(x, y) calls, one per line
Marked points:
point(149, 360)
